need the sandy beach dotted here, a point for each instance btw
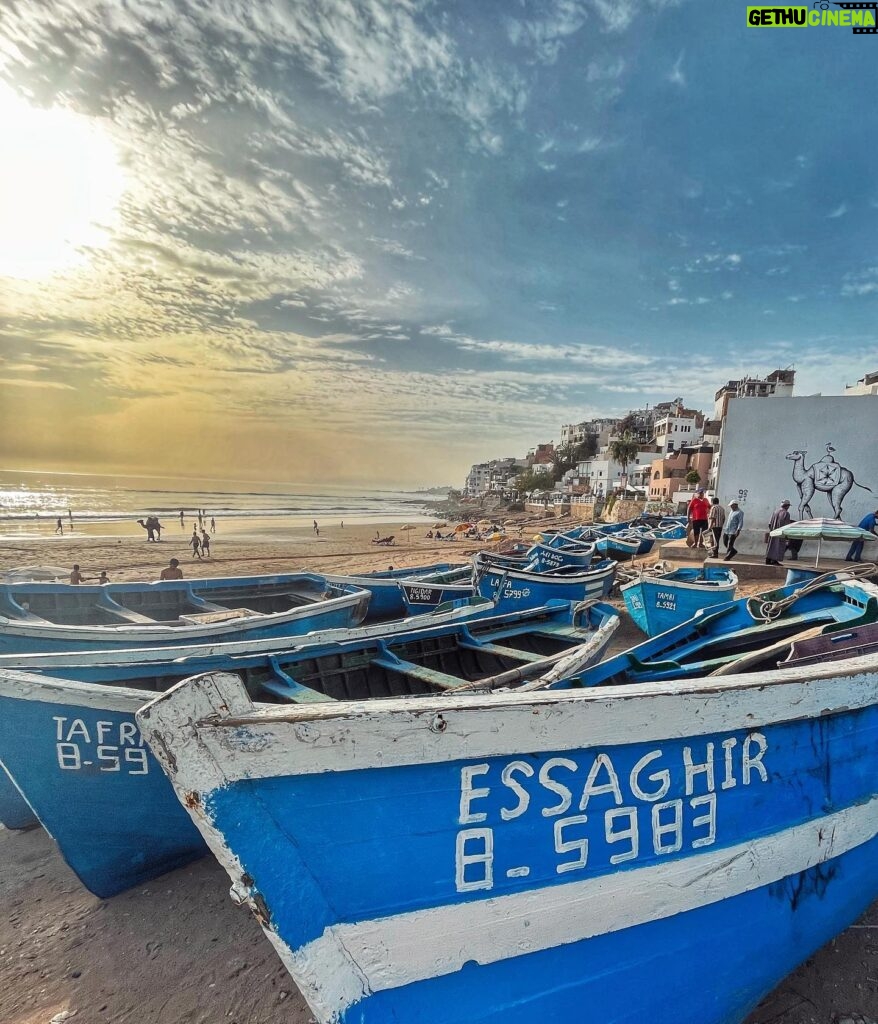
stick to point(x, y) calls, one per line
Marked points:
point(177, 949)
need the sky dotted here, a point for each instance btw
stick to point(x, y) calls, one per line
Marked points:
point(372, 243)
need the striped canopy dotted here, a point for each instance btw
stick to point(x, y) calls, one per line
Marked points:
point(822, 529)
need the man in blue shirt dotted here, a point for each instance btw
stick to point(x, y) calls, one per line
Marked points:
point(866, 523)
point(733, 526)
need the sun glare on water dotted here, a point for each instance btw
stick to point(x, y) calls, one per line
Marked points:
point(60, 186)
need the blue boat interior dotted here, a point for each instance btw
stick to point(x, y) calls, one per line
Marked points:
point(724, 633)
point(432, 660)
point(176, 602)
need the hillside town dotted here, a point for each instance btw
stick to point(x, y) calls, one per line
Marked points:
point(658, 456)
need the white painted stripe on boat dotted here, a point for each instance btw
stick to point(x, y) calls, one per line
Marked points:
point(703, 586)
point(28, 687)
point(373, 956)
point(347, 736)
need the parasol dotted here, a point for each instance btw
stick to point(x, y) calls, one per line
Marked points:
point(463, 527)
point(821, 530)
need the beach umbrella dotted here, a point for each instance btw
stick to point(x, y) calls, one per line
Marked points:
point(408, 526)
point(821, 530)
point(463, 527)
point(438, 526)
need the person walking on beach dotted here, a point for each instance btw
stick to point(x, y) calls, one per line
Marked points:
point(205, 543)
point(715, 521)
point(777, 545)
point(195, 544)
point(173, 571)
point(59, 526)
point(212, 525)
point(76, 575)
point(70, 517)
point(182, 524)
point(856, 549)
point(697, 513)
point(733, 526)
point(316, 528)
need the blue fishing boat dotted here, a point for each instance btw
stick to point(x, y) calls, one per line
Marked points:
point(545, 556)
point(511, 589)
point(74, 750)
point(617, 546)
point(659, 601)
point(386, 601)
point(663, 853)
point(423, 597)
point(15, 813)
point(752, 630)
point(60, 617)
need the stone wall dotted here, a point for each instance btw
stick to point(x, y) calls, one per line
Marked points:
point(626, 509)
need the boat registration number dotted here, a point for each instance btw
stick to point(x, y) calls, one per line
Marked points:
point(102, 746)
point(583, 811)
point(666, 599)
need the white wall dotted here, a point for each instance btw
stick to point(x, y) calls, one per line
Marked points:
point(755, 471)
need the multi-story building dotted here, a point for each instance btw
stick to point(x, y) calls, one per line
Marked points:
point(601, 427)
point(602, 475)
point(677, 427)
point(778, 384)
point(668, 474)
point(867, 385)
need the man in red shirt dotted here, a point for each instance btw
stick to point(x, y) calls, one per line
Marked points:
point(698, 511)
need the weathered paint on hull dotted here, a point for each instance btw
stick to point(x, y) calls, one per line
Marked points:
point(659, 852)
point(97, 790)
point(14, 810)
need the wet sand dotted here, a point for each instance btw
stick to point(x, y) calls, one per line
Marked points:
point(177, 949)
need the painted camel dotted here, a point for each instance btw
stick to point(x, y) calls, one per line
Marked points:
point(827, 475)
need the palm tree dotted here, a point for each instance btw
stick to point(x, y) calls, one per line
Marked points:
point(624, 450)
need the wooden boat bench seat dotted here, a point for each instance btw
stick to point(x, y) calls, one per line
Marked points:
point(501, 652)
point(438, 680)
point(125, 614)
point(225, 615)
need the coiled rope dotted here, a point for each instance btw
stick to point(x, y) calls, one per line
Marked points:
point(768, 611)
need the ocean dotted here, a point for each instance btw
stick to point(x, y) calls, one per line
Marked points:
point(39, 498)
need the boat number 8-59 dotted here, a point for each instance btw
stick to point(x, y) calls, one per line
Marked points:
point(99, 746)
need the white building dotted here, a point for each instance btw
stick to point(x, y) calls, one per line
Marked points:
point(676, 429)
point(575, 433)
point(603, 475)
point(867, 385)
point(778, 384)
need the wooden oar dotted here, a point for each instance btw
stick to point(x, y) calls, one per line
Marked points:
point(754, 657)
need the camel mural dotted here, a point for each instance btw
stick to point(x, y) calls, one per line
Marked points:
point(827, 475)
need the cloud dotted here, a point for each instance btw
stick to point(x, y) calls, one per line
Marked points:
point(676, 75)
point(839, 211)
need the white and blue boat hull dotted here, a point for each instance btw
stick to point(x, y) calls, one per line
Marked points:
point(92, 782)
point(658, 603)
point(662, 853)
point(514, 589)
point(15, 812)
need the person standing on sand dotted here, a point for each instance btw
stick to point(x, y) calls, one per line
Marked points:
point(195, 544)
point(173, 571)
point(76, 575)
point(212, 525)
point(777, 545)
point(70, 517)
point(59, 526)
point(715, 521)
point(205, 543)
point(182, 524)
point(697, 513)
point(870, 523)
point(733, 526)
